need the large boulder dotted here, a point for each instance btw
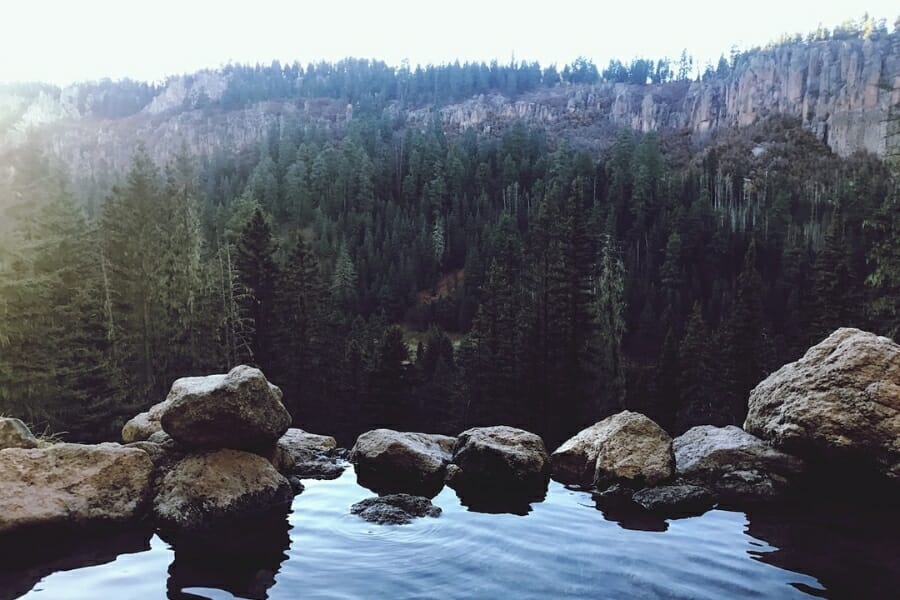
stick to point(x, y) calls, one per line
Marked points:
point(297, 447)
point(839, 404)
point(737, 465)
point(625, 446)
point(15, 434)
point(72, 484)
point(240, 410)
point(207, 488)
point(394, 509)
point(389, 461)
point(502, 460)
point(140, 427)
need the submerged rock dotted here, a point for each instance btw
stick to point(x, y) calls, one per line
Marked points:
point(839, 404)
point(737, 465)
point(625, 446)
point(15, 434)
point(500, 460)
point(72, 484)
point(205, 488)
point(145, 424)
point(390, 461)
point(240, 410)
point(680, 499)
point(395, 509)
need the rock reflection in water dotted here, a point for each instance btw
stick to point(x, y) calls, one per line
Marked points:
point(240, 558)
point(853, 553)
point(28, 558)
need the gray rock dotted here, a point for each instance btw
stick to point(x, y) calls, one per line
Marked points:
point(389, 461)
point(296, 447)
point(206, 488)
point(240, 410)
point(737, 465)
point(15, 434)
point(72, 485)
point(321, 468)
point(394, 509)
point(625, 446)
point(503, 459)
point(678, 499)
point(838, 405)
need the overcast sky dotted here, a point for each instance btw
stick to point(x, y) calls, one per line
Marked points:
point(72, 40)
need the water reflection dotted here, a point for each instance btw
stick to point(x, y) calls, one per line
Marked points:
point(28, 558)
point(853, 551)
point(241, 558)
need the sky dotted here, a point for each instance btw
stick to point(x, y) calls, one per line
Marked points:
point(64, 41)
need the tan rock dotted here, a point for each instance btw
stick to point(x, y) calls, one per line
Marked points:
point(72, 484)
point(145, 424)
point(239, 410)
point(203, 488)
point(626, 445)
point(15, 434)
point(841, 401)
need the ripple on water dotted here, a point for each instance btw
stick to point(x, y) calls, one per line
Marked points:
point(564, 547)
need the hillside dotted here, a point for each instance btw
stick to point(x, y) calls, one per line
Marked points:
point(841, 88)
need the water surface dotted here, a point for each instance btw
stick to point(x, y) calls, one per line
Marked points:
point(563, 547)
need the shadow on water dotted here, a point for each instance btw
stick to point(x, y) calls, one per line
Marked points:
point(240, 558)
point(28, 558)
point(853, 551)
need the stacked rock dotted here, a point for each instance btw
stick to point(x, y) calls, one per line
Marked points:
point(222, 450)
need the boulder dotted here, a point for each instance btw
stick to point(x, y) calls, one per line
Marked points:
point(204, 489)
point(395, 509)
point(625, 446)
point(389, 461)
point(502, 460)
point(296, 447)
point(72, 484)
point(737, 465)
point(839, 405)
point(145, 424)
point(15, 434)
point(320, 468)
point(240, 410)
point(681, 499)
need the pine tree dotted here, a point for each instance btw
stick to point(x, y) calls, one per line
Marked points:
point(300, 330)
point(257, 272)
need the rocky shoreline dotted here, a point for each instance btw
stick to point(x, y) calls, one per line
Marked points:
point(220, 450)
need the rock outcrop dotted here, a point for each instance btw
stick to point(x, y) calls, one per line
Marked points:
point(395, 509)
point(72, 485)
point(389, 461)
point(143, 425)
point(736, 465)
point(206, 488)
point(501, 460)
point(625, 446)
point(15, 434)
point(838, 404)
point(239, 410)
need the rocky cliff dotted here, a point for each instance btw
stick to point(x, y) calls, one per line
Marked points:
point(842, 90)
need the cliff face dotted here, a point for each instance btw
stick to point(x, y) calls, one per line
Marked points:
point(842, 90)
